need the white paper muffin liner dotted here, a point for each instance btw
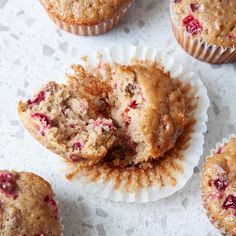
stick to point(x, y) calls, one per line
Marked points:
point(208, 213)
point(124, 55)
point(199, 48)
point(221, 144)
point(90, 30)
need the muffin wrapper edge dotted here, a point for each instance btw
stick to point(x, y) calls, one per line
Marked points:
point(199, 48)
point(90, 30)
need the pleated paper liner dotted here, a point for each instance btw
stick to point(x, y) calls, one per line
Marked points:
point(215, 222)
point(89, 30)
point(160, 178)
point(200, 49)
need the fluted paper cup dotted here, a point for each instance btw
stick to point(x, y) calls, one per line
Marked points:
point(89, 30)
point(199, 48)
point(169, 174)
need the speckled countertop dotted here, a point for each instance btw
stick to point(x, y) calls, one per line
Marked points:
point(33, 51)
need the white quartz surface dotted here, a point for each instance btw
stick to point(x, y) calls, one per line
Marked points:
point(33, 51)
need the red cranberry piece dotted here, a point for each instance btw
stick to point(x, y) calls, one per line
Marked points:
point(192, 25)
point(188, 19)
point(220, 150)
point(221, 184)
point(231, 36)
point(103, 124)
point(126, 117)
point(39, 98)
point(230, 203)
point(51, 203)
point(78, 146)
point(8, 184)
point(75, 158)
point(133, 105)
point(194, 7)
point(44, 120)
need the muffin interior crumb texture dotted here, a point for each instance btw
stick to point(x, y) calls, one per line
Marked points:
point(212, 21)
point(116, 115)
point(83, 12)
point(27, 206)
point(219, 187)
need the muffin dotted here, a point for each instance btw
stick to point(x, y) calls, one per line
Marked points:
point(219, 188)
point(87, 17)
point(27, 206)
point(67, 124)
point(159, 113)
point(150, 109)
point(206, 29)
point(136, 109)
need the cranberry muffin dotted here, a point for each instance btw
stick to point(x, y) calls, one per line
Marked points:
point(27, 206)
point(206, 29)
point(219, 188)
point(67, 124)
point(86, 17)
point(136, 109)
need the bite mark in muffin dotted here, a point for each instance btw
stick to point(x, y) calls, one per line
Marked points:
point(68, 124)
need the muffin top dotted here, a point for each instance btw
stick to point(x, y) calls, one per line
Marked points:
point(27, 206)
point(219, 187)
point(150, 106)
point(84, 12)
point(211, 21)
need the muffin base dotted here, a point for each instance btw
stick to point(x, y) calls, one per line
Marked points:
point(89, 30)
point(201, 50)
point(217, 224)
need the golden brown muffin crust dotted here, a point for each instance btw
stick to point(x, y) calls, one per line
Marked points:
point(159, 91)
point(84, 12)
point(27, 208)
point(217, 18)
